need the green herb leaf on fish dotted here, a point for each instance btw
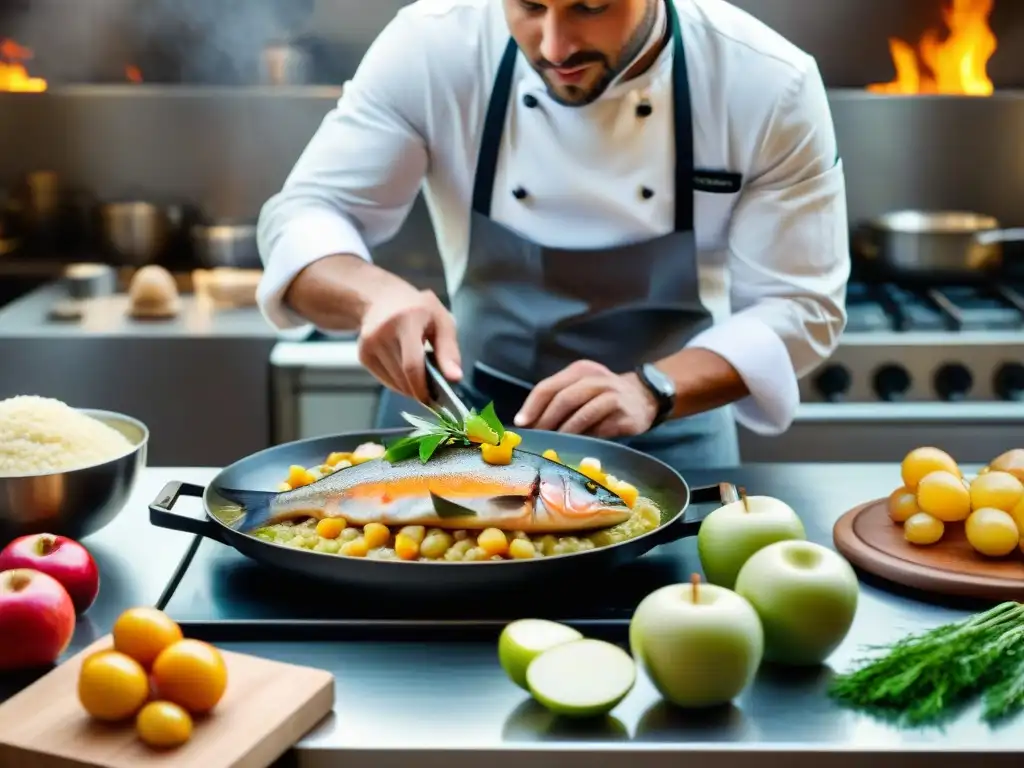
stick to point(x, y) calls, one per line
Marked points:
point(448, 509)
point(429, 444)
point(447, 429)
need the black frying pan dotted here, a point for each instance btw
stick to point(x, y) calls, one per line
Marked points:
point(268, 468)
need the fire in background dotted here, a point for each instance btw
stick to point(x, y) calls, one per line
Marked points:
point(951, 61)
point(14, 75)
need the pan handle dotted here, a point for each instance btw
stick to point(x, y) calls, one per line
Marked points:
point(161, 516)
point(688, 524)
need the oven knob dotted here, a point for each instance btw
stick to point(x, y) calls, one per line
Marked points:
point(891, 382)
point(953, 381)
point(833, 382)
point(1009, 382)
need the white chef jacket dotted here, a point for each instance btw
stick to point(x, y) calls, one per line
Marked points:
point(773, 257)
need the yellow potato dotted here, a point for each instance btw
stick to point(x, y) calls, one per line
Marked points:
point(923, 529)
point(943, 496)
point(902, 505)
point(992, 532)
point(996, 490)
point(923, 461)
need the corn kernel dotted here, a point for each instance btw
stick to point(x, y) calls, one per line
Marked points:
point(414, 532)
point(496, 454)
point(406, 547)
point(337, 457)
point(330, 527)
point(367, 452)
point(522, 549)
point(493, 541)
point(299, 476)
point(355, 548)
point(550, 455)
point(376, 535)
point(510, 439)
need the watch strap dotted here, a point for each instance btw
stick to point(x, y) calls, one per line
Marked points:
point(666, 402)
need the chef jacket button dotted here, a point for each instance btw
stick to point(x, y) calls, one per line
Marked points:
point(530, 101)
point(646, 193)
point(519, 193)
point(644, 109)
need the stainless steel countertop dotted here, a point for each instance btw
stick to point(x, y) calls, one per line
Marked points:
point(27, 317)
point(449, 704)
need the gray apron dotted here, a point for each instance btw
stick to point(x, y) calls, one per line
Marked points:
point(528, 311)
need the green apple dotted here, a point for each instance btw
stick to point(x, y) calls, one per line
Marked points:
point(734, 532)
point(806, 596)
point(701, 645)
point(583, 678)
point(524, 640)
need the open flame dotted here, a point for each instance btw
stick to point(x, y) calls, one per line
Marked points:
point(133, 74)
point(13, 74)
point(956, 64)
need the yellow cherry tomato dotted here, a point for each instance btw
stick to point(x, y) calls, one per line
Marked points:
point(112, 686)
point(191, 674)
point(163, 725)
point(143, 633)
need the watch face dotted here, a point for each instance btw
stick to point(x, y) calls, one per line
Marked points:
point(665, 386)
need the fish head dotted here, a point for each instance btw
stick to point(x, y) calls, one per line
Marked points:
point(575, 496)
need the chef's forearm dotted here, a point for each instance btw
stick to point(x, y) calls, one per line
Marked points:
point(334, 292)
point(704, 381)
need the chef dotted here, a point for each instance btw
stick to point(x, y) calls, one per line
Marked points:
point(639, 205)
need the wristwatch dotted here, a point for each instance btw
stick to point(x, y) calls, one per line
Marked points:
point(662, 387)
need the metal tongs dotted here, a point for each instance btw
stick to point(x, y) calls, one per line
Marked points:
point(441, 391)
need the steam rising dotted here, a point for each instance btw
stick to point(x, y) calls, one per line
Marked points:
point(197, 41)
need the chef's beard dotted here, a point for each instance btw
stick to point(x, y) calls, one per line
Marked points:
point(581, 98)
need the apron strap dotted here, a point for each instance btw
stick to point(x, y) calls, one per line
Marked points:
point(497, 112)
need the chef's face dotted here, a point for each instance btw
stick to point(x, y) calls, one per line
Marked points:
point(580, 46)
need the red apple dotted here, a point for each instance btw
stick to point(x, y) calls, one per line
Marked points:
point(37, 619)
point(60, 557)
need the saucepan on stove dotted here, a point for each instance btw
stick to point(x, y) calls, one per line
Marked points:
point(226, 522)
point(939, 243)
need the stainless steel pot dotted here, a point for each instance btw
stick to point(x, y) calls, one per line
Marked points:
point(78, 502)
point(285, 64)
point(226, 245)
point(135, 233)
point(935, 243)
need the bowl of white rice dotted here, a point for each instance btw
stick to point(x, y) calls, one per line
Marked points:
point(63, 470)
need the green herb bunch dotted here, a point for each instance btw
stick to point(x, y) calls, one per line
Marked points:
point(924, 678)
point(448, 429)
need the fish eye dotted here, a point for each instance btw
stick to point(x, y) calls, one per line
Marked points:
point(592, 487)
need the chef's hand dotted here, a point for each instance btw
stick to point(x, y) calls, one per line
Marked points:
point(588, 399)
point(391, 337)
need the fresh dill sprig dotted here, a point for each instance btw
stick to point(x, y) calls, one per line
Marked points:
point(448, 429)
point(924, 677)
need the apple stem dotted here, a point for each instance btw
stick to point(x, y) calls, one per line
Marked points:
point(18, 580)
point(46, 544)
point(695, 586)
point(743, 498)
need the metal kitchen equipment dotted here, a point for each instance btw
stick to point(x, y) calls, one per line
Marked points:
point(226, 244)
point(77, 502)
point(135, 233)
point(223, 523)
point(935, 243)
point(283, 63)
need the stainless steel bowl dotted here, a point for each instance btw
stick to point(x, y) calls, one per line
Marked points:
point(78, 502)
point(135, 233)
point(226, 245)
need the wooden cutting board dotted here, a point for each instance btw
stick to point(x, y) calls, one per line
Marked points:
point(869, 539)
point(267, 708)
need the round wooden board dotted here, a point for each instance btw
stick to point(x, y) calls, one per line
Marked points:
point(869, 539)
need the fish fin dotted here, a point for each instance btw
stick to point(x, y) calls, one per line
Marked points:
point(255, 506)
point(446, 508)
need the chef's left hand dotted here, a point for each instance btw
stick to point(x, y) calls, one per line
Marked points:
point(588, 399)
